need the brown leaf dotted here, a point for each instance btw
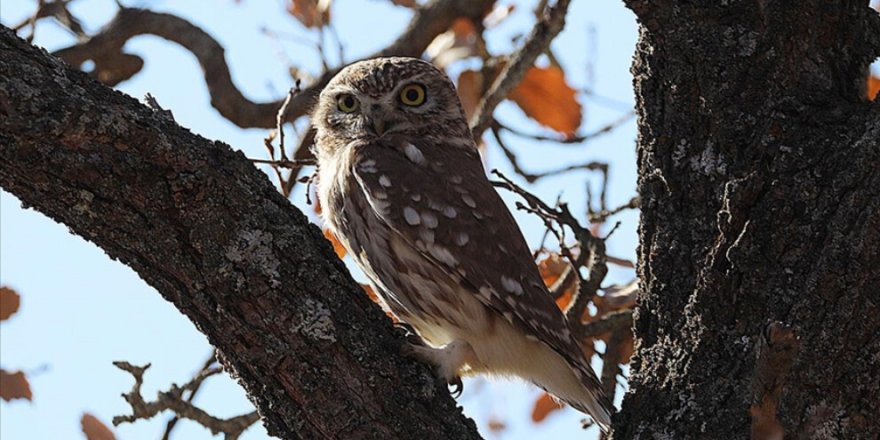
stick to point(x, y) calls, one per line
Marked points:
point(9, 302)
point(496, 425)
point(470, 88)
point(544, 406)
point(311, 13)
point(551, 268)
point(873, 87)
point(14, 386)
point(94, 429)
point(337, 245)
point(545, 97)
point(405, 3)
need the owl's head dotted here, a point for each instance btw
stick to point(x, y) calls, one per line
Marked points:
point(387, 97)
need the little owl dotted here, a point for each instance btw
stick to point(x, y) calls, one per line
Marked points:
point(402, 185)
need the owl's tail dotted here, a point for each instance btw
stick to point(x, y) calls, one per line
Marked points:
point(591, 399)
point(578, 387)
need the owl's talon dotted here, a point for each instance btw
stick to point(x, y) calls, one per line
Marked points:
point(457, 386)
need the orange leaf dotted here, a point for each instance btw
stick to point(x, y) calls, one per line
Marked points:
point(545, 97)
point(551, 268)
point(311, 13)
point(544, 406)
point(94, 429)
point(337, 246)
point(873, 87)
point(9, 302)
point(14, 386)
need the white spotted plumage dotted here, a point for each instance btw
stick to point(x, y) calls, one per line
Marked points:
point(404, 189)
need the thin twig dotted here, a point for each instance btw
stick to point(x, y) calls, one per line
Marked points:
point(172, 400)
point(515, 69)
point(192, 395)
point(601, 216)
point(605, 129)
point(532, 177)
point(281, 163)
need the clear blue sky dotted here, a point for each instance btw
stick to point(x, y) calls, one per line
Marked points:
point(81, 311)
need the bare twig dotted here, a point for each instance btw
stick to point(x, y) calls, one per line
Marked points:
point(515, 69)
point(610, 322)
point(601, 216)
point(776, 350)
point(281, 117)
point(284, 163)
point(172, 400)
point(169, 427)
point(532, 177)
point(605, 129)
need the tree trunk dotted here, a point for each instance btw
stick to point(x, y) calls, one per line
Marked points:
point(204, 227)
point(759, 165)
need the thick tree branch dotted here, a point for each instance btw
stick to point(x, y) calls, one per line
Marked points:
point(112, 65)
point(199, 223)
point(759, 192)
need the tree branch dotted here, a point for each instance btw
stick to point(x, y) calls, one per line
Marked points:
point(197, 221)
point(515, 69)
point(113, 66)
point(172, 400)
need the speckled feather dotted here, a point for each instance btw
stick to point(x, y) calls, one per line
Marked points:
point(417, 212)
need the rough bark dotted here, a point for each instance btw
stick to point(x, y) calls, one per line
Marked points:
point(759, 165)
point(204, 227)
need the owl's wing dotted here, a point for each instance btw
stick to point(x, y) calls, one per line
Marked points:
point(438, 198)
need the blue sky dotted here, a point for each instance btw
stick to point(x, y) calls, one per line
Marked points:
point(81, 311)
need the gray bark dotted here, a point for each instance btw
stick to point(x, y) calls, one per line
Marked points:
point(202, 225)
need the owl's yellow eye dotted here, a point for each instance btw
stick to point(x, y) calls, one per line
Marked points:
point(413, 95)
point(346, 103)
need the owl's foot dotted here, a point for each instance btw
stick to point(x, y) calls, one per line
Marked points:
point(448, 359)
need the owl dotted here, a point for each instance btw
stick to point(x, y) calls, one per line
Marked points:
point(402, 185)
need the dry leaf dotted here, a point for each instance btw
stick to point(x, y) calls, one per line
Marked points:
point(551, 268)
point(311, 13)
point(545, 97)
point(544, 406)
point(9, 302)
point(496, 425)
point(14, 386)
point(470, 87)
point(337, 245)
point(405, 3)
point(94, 429)
point(873, 87)
point(459, 42)
point(498, 14)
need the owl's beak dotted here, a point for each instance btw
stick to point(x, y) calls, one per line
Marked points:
point(379, 125)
